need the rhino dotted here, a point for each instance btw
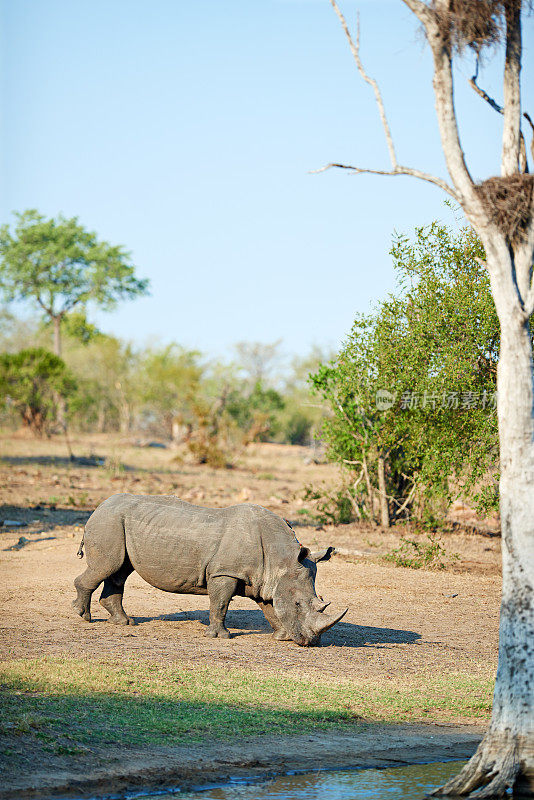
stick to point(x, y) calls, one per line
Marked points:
point(243, 550)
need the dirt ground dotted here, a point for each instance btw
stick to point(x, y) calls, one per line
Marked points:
point(399, 620)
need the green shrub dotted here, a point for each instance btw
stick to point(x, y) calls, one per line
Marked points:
point(36, 383)
point(296, 429)
point(426, 554)
point(332, 507)
point(412, 392)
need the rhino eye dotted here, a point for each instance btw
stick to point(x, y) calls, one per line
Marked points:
point(297, 603)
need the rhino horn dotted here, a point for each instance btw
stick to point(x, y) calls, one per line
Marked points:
point(325, 621)
point(320, 605)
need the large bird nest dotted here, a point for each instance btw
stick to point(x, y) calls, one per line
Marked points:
point(509, 203)
point(470, 23)
point(474, 23)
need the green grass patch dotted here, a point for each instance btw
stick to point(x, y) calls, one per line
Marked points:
point(74, 703)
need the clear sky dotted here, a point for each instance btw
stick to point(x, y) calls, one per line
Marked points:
point(186, 130)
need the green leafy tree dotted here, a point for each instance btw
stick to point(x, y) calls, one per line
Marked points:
point(255, 412)
point(412, 392)
point(257, 360)
point(107, 370)
point(58, 265)
point(76, 327)
point(169, 381)
point(33, 382)
point(301, 418)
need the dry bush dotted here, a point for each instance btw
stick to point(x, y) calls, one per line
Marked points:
point(508, 201)
point(206, 449)
point(208, 442)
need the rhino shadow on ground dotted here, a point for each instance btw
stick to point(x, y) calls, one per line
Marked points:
point(239, 623)
point(344, 634)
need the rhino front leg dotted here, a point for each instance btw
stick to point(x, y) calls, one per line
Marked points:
point(269, 613)
point(220, 591)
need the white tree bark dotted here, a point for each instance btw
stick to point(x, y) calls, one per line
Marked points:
point(384, 508)
point(505, 757)
point(57, 335)
point(512, 90)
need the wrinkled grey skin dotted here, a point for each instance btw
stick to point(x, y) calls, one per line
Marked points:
point(242, 550)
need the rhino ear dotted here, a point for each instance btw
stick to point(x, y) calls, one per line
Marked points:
point(304, 553)
point(322, 555)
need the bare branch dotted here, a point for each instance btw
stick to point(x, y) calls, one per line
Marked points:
point(49, 311)
point(354, 504)
point(527, 117)
point(523, 163)
point(484, 95)
point(355, 49)
point(447, 121)
point(418, 7)
point(529, 303)
point(512, 91)
point(399, 170)
point(446, 113)
point(408, 499)
point(526, 269)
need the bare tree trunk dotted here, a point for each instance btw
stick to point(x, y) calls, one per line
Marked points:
point(57, 335)
point(384, 508)
point(125, 417)
point(505, 758)
point(61, 404)
point(370, 492)
point(101, 418)
point(125, 411)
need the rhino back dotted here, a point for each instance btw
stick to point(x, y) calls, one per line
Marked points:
point(177, 546)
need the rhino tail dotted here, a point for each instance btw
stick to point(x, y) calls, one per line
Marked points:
point(80, 548)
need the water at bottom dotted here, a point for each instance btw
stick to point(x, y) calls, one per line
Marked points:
point(398, 783)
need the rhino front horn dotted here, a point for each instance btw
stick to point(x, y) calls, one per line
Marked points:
point(326, 621)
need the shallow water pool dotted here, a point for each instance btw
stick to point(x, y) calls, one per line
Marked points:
point(398, 783)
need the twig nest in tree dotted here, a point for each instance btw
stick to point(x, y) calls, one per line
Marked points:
point(470, 23)
point(508, 201)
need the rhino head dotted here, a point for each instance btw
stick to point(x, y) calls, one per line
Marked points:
point(296, 604)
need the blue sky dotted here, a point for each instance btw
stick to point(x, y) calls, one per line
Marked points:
point(186, 131)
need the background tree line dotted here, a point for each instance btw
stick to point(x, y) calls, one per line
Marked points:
point(59, 368)
point(407, 407)
point(165, 391)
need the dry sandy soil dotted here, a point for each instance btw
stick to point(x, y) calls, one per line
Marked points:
point(399, 620)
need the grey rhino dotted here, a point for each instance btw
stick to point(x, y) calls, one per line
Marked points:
point(242, 550)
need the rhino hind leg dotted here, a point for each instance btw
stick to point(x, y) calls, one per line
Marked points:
point(112, 594)
point(85, 585)
point(220, 591)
